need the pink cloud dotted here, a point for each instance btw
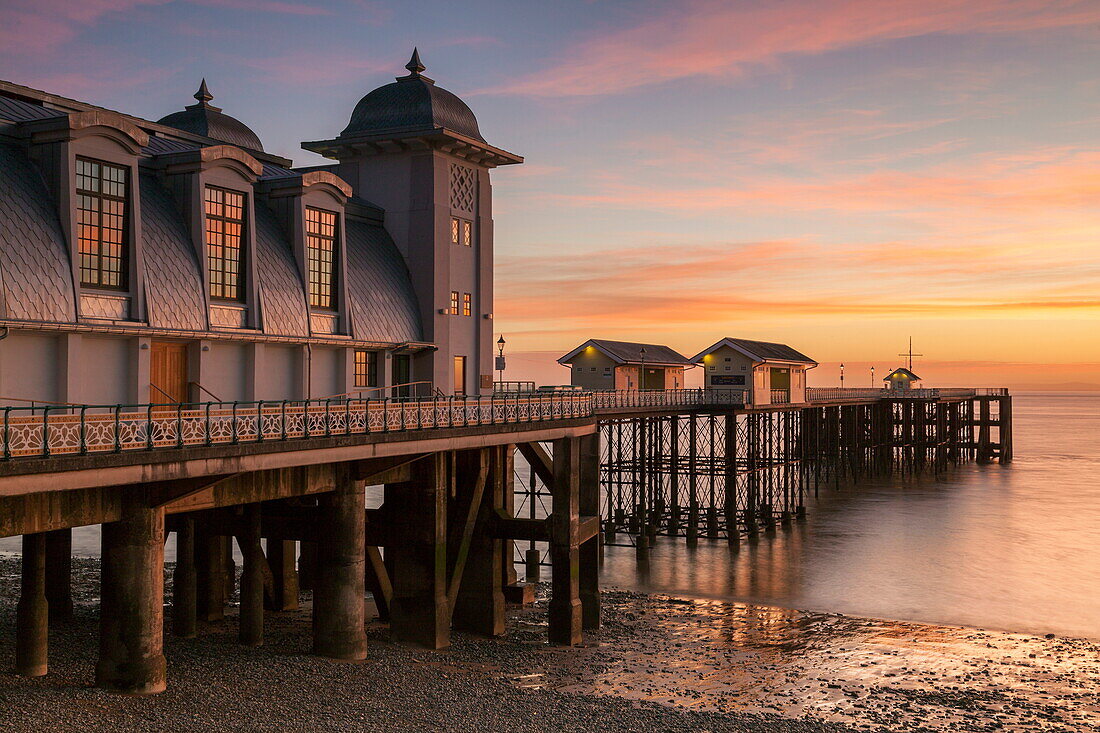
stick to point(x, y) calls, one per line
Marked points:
point(718, 38)
point(35, 26)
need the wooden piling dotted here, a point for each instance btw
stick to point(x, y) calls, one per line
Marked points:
point(32, 611)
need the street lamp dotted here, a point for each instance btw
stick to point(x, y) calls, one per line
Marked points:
point(500, 361)
point(641, 372)
point(842, 376)
point(872, 377)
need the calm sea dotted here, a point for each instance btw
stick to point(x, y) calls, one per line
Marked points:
point(1005, 547)
point(1012, 547)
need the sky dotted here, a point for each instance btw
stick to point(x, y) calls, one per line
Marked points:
point(837, 175)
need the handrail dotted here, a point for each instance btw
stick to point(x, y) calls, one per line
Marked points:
point(376, 389)
point(174, 401)
point(204, 389)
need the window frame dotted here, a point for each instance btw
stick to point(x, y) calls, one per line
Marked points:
point(333, 304)
point(367, 368)
point(241, 285)
point(124, 254)
point(462, 231)
point(467, 304)
point(453, 310)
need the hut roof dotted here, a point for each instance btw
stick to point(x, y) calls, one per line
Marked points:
point(758, 351)
point(626, 352)
point(901, 372)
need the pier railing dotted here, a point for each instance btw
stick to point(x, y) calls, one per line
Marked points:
point(84, 429)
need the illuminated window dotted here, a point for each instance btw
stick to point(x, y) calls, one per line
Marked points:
point(224, 243)
point(462, 231)
point(366, 368)
point(454, 302)
point(101, 221)
point(467, 305)
point(321, 257)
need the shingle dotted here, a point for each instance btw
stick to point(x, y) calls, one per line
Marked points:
point(383, 305)
point(632, 352)
point(173, 279)
point(34, 263)
point(769, 350)
point(282, 293)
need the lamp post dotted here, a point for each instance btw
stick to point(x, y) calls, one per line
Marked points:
point(641, 372)
point(500, 361)
point(842, 376)
point(872, 376)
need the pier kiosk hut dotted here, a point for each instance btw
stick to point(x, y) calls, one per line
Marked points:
point(901, 380)
point(767, 373)
point(598, 364)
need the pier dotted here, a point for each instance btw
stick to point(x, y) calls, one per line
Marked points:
point(285, 481)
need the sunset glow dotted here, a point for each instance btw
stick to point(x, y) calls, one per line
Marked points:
point(837, 176)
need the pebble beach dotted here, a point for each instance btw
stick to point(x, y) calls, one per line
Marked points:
point(659, 663)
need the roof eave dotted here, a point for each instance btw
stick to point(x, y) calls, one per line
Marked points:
point(402, 139)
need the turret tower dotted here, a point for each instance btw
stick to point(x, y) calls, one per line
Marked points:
point(414, 149)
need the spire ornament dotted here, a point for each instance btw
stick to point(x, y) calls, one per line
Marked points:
point(203, 94)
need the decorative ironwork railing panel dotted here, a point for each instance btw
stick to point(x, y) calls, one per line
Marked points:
point(78, 430)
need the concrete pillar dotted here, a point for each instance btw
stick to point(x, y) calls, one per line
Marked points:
point(282, 556)
point(417, 510)
point(479, 603)
point(32, 612)
point(210, 574)
point(565, 604)
point(59, 566)
point(589, 505)
point(184, 581)
point(307, 565)
point(131, 658)
point(339, 615)
point(250, 628)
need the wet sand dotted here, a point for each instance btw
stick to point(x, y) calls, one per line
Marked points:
point(659, 663)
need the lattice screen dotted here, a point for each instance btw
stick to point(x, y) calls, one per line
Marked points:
point(463, 188)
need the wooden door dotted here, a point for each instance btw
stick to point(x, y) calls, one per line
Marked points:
point(168, 372)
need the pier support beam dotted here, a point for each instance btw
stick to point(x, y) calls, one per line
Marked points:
point(339, 614)
point(589, 505)
point(32, 612)
point(59, 566)
point(184, 582)
point(211, 579)
point(131, 658)
point(250, 628)
point(478, 599)
point(282, 557)
point(417, 509)
point(565, 611)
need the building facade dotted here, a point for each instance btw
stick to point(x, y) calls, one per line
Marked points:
point(765, 372)
point(599, 364)
point(176, 261)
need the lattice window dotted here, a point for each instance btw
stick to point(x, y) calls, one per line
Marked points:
point(462, 231)
point(467, 304)
point(463, 187)
point(366, 368)
point(225, 243)
point(321, 255)
point(101, 191)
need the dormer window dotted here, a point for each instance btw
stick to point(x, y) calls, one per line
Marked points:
point(321, 257)
point(102, 191)
point(225, 243)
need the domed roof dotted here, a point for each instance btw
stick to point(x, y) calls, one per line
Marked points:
point(207, 120)
point(410, 103)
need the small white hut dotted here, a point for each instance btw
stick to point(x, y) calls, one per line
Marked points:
point(767, 373)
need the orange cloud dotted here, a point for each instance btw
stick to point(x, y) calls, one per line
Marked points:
point(719, 38)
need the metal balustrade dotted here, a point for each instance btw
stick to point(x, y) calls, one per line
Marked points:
point(63, 429)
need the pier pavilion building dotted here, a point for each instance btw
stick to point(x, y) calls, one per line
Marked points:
point(901, 379)
point(599, 364)
point(767, 373)
point(176, 261)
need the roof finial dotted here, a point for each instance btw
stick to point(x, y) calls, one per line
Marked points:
point(414, 66)
point(203, 94)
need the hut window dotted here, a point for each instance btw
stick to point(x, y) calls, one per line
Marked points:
point(321, 256)
point(366, 368)
point(101, 192)
point(224, 235)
